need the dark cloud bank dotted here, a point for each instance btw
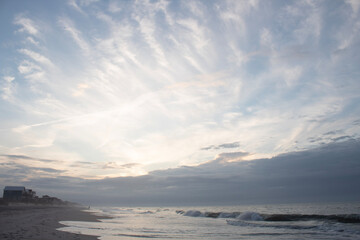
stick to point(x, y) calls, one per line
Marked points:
point(329, 173)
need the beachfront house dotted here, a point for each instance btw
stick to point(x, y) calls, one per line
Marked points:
point(12, 193)
point(30, 194)
point(21, 194)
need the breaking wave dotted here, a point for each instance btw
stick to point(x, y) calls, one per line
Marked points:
point(250, 216)
point(253, 216)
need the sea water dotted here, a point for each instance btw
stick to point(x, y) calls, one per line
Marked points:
point(254, 222)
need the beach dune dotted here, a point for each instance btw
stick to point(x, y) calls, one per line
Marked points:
point(41, 222)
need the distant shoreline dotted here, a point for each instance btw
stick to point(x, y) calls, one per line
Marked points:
point(33, 222)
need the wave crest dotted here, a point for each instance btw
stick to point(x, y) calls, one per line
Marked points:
point(254, 216)
point(250, 216)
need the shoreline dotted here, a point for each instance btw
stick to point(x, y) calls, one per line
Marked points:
point(35, 222)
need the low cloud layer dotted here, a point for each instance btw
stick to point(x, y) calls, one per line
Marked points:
point(328, 173)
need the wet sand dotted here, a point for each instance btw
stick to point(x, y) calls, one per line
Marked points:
point(41, 222)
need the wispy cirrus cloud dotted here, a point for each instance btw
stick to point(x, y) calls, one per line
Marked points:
point(355, 5)
point(26, 25)
point(41, 59)
point(7, 87)
point(75, 34)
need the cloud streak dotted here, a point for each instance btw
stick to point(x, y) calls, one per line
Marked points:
point(8, 87)
point(27, 25)
point(36, 57)
point(222, 146)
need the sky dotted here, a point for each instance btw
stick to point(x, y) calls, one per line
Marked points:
point(131, 96)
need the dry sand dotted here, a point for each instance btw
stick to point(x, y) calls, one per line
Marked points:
point(41, 222)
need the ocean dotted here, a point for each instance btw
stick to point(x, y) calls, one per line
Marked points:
point(253, 222)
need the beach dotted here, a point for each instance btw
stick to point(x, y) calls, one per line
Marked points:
point(41, 222)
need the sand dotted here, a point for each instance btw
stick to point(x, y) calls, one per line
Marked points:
point(41, 222)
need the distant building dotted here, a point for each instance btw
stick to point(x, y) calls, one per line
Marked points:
point(12, 193)
point(50, 200)
point(21, 194)
point(30, 194)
